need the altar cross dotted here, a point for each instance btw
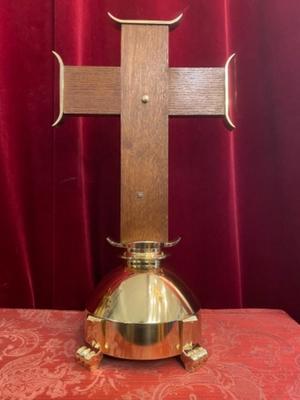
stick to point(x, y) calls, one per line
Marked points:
point(144, 91)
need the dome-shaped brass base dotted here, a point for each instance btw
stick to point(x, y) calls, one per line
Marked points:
point(142, 312)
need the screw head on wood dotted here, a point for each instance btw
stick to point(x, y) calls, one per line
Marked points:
point(145, 99)
point(140, 195)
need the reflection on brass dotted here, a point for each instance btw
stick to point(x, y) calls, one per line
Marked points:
point(126, 245)
point(90, 357)
point(142, 311)
point(227, 97)
point(143, 292)
point(115, 244)
point(172, 243)
point(145, 98)
point(193, 356)
point(144, 254)
point(135, 341)
point(61, 88)
point(145, 22)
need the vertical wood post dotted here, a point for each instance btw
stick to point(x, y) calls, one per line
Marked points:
point(144, 139)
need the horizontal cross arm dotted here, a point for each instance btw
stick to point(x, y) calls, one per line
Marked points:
point(88, 90)
point(200, 91)
point(196, 91)
point(92, 90)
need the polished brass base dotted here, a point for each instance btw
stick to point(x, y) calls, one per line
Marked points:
point(142, 312)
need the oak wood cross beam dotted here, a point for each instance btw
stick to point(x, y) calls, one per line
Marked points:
point(144, 91)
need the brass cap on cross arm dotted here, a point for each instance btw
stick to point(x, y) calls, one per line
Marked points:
point(145, 22)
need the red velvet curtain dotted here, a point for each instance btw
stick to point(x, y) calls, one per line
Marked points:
point(234, 197)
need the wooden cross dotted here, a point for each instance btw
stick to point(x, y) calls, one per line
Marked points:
point(145, 91)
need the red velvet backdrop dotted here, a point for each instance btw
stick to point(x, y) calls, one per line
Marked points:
point(234, 197)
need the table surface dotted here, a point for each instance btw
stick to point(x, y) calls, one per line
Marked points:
point(253, 355)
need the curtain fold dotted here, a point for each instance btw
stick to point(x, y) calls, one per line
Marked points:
point(233, 196)
point(25, 154)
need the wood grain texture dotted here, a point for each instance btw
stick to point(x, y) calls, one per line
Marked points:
point(196, 91)
point(92, 90)
point(144, 137)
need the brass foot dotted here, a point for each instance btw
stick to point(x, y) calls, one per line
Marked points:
point(89, 357)
point(192, 356)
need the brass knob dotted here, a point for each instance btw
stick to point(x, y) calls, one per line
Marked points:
point(145, 99)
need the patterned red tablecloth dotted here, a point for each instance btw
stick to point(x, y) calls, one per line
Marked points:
point(253, 355)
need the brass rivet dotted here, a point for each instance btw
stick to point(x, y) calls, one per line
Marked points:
point(145, 98)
